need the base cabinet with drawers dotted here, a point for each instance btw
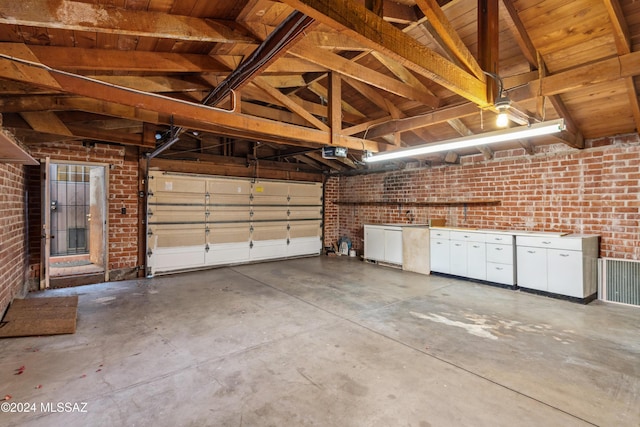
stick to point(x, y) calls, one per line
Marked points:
point(566, 265)
point(474, 254)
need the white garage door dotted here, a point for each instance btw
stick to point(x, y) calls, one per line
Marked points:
point(197, 221)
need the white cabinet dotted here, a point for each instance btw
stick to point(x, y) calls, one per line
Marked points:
point(440, 251)
point(560, 265)
point(501, 259)
point(373, 242)
point(476, 254)
point(468, 254)
point(383, 243)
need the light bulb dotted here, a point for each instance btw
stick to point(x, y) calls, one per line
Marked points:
point(503, 119)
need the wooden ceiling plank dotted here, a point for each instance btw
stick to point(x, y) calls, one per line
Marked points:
point(509, 14)
point(449, 36)
point(86, 17)
point(362, 73)
point(374, 32)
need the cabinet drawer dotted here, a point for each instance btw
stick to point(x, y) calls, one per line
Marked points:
point(439, 234)
point(500, 273)
point(467, 236)
point(502, 239)
point(568, 243)
point(502, 254)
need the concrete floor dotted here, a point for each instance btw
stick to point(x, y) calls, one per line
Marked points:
point(327, 342)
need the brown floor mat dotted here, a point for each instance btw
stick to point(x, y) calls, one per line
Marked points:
point(40, 316)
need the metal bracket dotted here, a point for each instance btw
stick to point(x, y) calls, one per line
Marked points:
point(251, 244)
point(149, 252)
point(206, 248)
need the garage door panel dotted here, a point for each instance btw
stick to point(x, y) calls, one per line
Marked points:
point(165, 260)
point(268, 249)
point(229, 234)
point(304, 246)
point(269, 231)
point(271, 189)
point(229, 215)
point(220, 187)
point(311, 190)
point(305, 229)
point(186, 216)
point(175, 236)
point(159, 183)
point(228, 253)
point(198, 221)
point(269, 213)
point(298, 213)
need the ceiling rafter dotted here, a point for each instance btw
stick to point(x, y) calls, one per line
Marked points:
point(354, 70)
point(623, 45)
point(75, 58)
point(372, 31)
point(73, 15)
point(525, 42)
point(25, 70)
point(449, 36)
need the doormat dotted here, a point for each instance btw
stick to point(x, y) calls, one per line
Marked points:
point(40, 316)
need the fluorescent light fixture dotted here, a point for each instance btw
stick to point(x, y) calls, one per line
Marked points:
point(503, 135)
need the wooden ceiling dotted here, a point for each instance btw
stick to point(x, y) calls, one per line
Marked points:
point(277, 81)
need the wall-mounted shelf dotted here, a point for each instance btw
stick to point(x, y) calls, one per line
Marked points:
point(430, 203)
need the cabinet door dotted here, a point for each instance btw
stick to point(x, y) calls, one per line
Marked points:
point(374, 243)
point(393, 246)
point(565, 272)
point(440, 255)
point(532, 267)
point(458, 260)
point(476, 260)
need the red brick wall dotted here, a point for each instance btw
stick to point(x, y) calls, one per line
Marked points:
point(594, 191)
point(12, 233)
point(122, 190)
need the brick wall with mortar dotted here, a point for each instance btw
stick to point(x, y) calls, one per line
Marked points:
point(12, 233)
point(593, 191)
point(122, 193)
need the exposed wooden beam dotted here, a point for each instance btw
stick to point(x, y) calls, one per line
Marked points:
point(449, 36)
point(509, 15)
point(623, 46)
point(290, 30)
point(231, 168)
point(290, 104)
point(335, 104)
point(75, 58)
point(439, 116)
point(46, 122)
point(488, 52)
point(15, 67)
point(362, 73)
point(374, 32)
point(72, 15)
point(606, 70)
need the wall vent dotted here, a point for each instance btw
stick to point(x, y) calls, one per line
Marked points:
point(620, 281)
